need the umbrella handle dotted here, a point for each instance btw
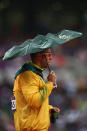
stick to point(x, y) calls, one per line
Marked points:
point(55, 84)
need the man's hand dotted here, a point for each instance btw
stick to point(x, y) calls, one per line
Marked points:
point(52, 77)
point(57, 110)
point(54, 112)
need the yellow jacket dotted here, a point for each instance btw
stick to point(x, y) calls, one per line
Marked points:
point(32, 104)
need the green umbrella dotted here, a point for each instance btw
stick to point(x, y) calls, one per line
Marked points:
point(41, 42)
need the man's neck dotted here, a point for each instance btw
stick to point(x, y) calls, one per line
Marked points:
point(37, 63)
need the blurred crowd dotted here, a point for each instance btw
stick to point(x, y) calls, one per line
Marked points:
point(70, 95)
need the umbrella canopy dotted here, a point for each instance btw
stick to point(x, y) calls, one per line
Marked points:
point(41, 42)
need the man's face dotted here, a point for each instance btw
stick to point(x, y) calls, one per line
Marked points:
point(46, 58)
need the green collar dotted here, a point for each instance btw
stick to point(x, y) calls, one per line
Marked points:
point(31, 63)
point(30, 66)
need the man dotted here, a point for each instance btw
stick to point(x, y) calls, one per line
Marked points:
point(31, 94)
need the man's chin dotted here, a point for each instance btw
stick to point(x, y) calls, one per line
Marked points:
point(47, 65)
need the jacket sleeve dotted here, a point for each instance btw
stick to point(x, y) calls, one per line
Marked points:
point(30, 89)
point(50, 107)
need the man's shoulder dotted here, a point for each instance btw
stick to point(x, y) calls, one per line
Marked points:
point(25, 67)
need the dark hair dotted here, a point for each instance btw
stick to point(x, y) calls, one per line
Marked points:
point(33, 56)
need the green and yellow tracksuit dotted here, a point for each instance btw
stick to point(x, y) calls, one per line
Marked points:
point(32, 100)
